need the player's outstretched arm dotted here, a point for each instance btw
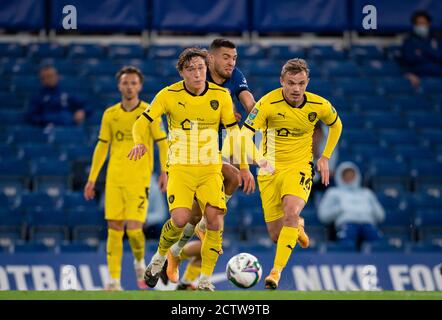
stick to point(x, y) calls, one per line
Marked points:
point(332, 140)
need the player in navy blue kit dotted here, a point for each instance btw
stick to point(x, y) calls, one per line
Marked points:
point(223, 72)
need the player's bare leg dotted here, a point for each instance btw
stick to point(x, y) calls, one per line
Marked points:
point(284, 232)
point(134, 230)
point(170, 233)
point(114, 253)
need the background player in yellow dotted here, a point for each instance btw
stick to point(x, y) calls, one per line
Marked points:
point(127, 182)
point(288, 116)
point(195, 108)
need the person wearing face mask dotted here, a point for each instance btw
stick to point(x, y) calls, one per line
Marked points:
point(354, 210)
point(421, 50)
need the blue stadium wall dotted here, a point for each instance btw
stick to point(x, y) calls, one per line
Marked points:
point(305, 271)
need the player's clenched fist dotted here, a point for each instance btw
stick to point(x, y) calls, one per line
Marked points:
point(137, 152)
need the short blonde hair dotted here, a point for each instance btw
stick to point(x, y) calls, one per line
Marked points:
point(295, 66)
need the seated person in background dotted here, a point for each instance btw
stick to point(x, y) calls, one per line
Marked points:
point(421, 52)
point(52, 105)
point(157, 212)
point(354, 210)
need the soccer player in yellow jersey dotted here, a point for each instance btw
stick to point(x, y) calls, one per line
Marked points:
point(127, 182)
point(287, 117)
point(195, 108)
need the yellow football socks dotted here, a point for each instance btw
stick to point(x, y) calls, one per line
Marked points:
point(137, 243)
point(114, 252)
point(286, 243)
point(192, 273)
point(169, 235)
point(210, 251)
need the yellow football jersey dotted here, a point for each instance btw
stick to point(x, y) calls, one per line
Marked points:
point(193, 122)
point(287, 130)
point(116, 129)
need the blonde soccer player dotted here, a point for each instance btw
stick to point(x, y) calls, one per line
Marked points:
point(287, 117)
point(195, 108)
point(127, 182)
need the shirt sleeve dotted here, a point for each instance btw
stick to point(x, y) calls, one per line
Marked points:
point(105, 134)
point(227, 115)
point(328, 114)
point(152, 112)
point(240, 83)
point(256, 118)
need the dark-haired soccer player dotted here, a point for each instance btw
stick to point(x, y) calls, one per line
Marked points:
point(195, 108)
point(288, 116)
point(127, 182)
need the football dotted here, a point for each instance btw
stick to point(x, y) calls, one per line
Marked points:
point(244, 270)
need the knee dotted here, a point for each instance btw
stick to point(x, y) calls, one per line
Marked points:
point(274, 237)
point(291, 214)
point(116, 225)
point(179, 221)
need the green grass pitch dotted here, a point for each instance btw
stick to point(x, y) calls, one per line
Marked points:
point(219, 295)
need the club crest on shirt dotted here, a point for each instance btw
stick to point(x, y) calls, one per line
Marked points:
point(312, 116)
point(214, 104)
point(171, 198)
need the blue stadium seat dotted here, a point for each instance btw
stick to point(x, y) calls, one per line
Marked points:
point(22, 84)
point(384, 120)
point(250, 52)
point(79, 247)
point(164, 52)
point(357, 136)
point(13, 170)
point(38, 151)
point(341, 69)
point(11, 116)
point(426, 172)
point(45, 50)
point(321, 86)
point(396, 85)
point(67, 67)
point(424, 247)
point(48, 235)
point(32, 248)
point(81, 51)
point(388, 171)
point(407, 102)
point(69, 136)
point(84, 216)
point(422, 119)
point(325, 52)
point(21, 69)
point(431, 137)
point(261, 68)
point(364, 103)
point(431, 85)
point(338, 247)
point(282, 52)
point(24, 134)
point(13, 186)
point(392, 137)
point(125, 51)
point(366, 52)
point(409, 152)
point(52, 176)
point(104, 84)
point(355, 86)
point(11, 50)
point(384, 245)
point(96, 67)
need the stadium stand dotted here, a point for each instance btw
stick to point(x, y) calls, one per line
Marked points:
point(391, 131)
